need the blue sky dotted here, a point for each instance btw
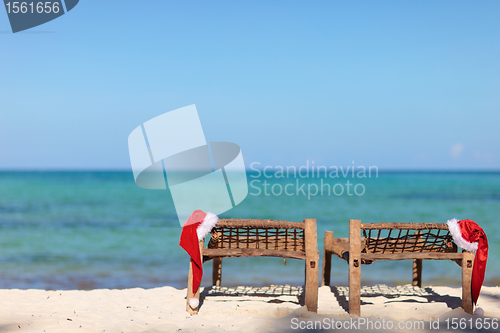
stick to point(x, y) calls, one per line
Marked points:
point(396, 84)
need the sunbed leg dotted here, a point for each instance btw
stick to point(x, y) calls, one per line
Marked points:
point(354, 267)
point(417, 273)
point(312, 265)
point(467, 264)
point(190, 295)
point(217, 271)
point(327, 258)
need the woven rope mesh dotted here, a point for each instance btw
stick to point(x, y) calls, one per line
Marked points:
point(399, 238)
point(257, 234)
point(407, 240)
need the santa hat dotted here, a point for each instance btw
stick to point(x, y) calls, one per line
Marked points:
point(196, 228)
point(470, 237)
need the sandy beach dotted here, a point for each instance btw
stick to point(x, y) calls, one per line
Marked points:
point(242, 309)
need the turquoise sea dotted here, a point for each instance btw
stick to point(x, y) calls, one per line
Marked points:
point(86, 230)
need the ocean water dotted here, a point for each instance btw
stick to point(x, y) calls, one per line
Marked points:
point(86, 230)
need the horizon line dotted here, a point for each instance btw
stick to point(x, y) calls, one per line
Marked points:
point(252, 170)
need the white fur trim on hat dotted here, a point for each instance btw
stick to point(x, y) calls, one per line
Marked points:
point(194, 302)
point(206, 226)
point(457, 236)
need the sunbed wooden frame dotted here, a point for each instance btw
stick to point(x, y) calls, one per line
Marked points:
point(258, 238)
point(399, 241)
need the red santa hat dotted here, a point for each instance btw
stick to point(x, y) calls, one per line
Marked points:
point(196, 228)
point(470, 237)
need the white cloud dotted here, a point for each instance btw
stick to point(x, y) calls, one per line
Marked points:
point(456, 150)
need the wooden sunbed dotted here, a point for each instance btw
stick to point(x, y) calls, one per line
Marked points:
point(395, 241)
point(258, 238)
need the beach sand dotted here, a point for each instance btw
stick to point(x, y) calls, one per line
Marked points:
point(241, 309)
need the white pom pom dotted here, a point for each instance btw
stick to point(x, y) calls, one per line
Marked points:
point(479, 312)
point(456, 233)
point(206, 225)
point(193, 303)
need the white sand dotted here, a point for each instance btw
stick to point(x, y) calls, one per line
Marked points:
point(243, 309)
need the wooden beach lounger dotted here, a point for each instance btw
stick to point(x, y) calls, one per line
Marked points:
point(395, 241)
point(259, 238)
